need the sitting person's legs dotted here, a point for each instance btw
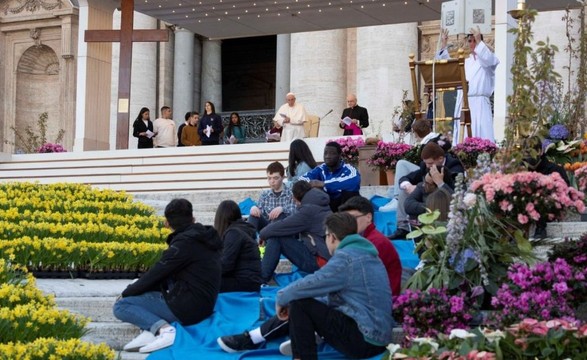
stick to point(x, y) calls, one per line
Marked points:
point(149, 312)
point(293, 249)
point(271, 329)
point(309, 316)
point(258, 222)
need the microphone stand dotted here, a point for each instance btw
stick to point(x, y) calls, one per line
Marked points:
point(328, 113)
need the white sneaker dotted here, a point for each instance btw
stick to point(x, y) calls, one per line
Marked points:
point(165, 339)
point(390, 206)
point(144, 338)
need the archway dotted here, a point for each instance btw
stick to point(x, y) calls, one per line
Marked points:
point(37, 91)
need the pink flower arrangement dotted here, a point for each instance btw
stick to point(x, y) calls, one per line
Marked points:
point(350, 148)
point(545, 291)
point(387, 155)
point(581, 178)
point(50, 148)
point(471, 148)
point(431, 312)
point(528, 196)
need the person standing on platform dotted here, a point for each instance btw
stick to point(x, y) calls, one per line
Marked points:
point(180, 128)
point(236, 132)
point(142, 129)
point(189, 134)
point(291, 116)
point(210, 126)
point(480, 73)
point(354, 118)
point(164, 128)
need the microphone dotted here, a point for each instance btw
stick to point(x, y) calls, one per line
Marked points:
point(328, 113)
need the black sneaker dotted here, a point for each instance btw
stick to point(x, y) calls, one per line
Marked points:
point(398, 234)
point(236, 343)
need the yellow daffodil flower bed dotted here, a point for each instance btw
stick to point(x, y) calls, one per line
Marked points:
point(31, 327)
point(55, 349)
point(71, 227)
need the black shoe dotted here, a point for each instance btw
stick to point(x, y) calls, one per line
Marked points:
point(540, 232)
point(236, 343)
point(398, 234)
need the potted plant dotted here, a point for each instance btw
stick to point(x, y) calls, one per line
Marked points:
point(350, 148)
point(471, 148)
point(386, 156)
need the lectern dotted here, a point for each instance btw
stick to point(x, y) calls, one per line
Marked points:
point(440, 76)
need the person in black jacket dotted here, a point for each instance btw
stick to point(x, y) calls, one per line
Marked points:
point(358, 115)
point(210, 125)
point(241, 260)
point(300, 236)
point(432, 155)
point(182, 286)
point(140, 127)
point(540, 164)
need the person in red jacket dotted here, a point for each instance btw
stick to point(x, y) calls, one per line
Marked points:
point(362, 210)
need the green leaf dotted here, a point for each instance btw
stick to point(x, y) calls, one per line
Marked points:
point(523, 243)
point(414, 234)
point(429, 217)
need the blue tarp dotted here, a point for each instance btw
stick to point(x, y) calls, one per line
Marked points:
point(234, 313)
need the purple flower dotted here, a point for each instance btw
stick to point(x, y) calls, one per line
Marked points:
point(558, 132)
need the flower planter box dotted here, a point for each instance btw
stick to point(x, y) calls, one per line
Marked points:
point(45, 274)
point(109, 275)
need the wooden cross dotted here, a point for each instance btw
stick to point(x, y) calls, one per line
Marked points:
point(126, 36)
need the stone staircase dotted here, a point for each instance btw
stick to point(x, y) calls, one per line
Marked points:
point(94, 299)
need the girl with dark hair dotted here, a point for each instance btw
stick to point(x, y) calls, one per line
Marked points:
point(301, 160)
point(141, 127)
point(210, 126)
point(241, 261)
point(236, 132)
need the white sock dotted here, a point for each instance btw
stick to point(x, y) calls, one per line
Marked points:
point(256, 336)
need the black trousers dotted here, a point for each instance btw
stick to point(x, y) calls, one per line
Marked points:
point(307, 316)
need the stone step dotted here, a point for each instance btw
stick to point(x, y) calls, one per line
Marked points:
point(125, 355)
point(98, 309)
point(114, 334)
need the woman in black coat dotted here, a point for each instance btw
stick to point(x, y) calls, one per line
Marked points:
point(140, 127)
point(241, 261)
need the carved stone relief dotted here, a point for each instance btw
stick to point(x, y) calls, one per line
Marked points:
point(31, 6)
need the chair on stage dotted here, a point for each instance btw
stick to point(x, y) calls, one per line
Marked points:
point(439, 77)
point(312, 126)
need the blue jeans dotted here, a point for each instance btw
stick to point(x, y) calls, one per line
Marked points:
point(148, 311)
point(292, 248)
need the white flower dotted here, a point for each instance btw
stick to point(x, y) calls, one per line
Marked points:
point(492, 336)
point(427, 340)
point(393, 348)
point(470, 200)
point(460, 333)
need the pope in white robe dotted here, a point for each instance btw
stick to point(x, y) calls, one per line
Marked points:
point(291, 116)
point(480, 74)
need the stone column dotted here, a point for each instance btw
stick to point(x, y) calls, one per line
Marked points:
point(197, 74)
point(504, 50)
point(212, 73)
point(183, 74)
point(282, 68)
point(94, 66)
point(321, 86)
point(67, 106)
point(382, 71)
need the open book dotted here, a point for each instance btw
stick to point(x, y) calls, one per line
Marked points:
point(273, 136)
point(459, 16)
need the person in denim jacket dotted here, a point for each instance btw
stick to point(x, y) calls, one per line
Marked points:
point(338, 303)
